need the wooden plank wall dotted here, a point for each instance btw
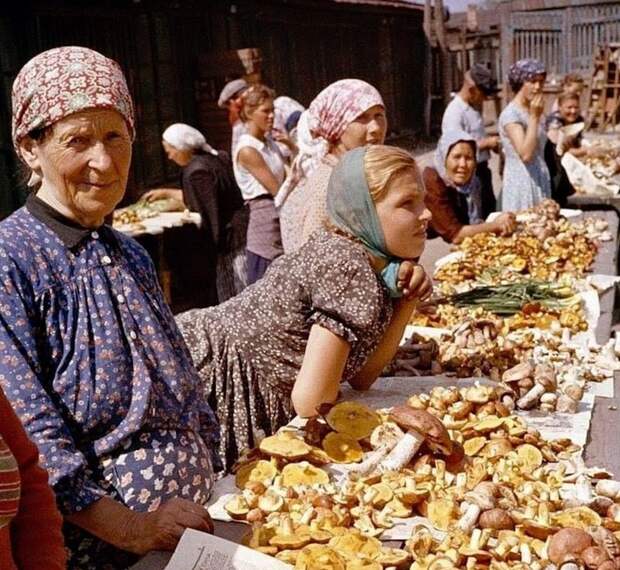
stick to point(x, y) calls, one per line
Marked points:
point(305, 44)
point(309, 46)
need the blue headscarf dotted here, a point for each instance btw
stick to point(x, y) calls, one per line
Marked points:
point(352, 210)
point(471, 189)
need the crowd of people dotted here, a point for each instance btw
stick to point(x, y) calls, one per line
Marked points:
point(314, 228)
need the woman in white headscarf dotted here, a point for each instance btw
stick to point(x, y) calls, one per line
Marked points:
point(208, 187)
point(453, 193)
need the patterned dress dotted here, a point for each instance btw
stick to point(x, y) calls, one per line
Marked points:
point(95, 367)
point(305, 209)
point(249, 350)
point(524, 184)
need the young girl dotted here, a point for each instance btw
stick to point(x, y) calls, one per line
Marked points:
point(259, 171)
point(521, 127)
point(333, 310)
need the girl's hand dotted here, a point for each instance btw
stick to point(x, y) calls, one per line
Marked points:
point(413, 281)
point(537, 105)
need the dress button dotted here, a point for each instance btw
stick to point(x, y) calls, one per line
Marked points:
point(106, 260)
point(120, 298)
point(133, 335)
point(95, 235)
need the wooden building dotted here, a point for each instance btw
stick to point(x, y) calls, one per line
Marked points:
point(163, 46)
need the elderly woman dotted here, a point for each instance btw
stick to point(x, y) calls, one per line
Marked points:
point(27, 505)
point(521, 126)
point(347, 114)
point(453, 192)
point(208, 186)
point(334, 310)
point(90, 356)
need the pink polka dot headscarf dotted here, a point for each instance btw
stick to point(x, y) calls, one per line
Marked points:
point(63, 81)
point(324, 122)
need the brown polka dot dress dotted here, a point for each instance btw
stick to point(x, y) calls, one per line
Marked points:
point(249, 350)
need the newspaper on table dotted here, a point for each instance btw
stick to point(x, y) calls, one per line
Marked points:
point(201, 551)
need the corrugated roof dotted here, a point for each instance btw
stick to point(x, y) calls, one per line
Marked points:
point(406, 4)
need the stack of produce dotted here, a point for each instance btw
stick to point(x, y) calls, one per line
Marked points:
point(136, 213)
point(488, 491)
point(545, 247)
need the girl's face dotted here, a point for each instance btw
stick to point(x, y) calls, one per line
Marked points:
point(263, 115)
point(403, 215)
point(461, 163)
point(569, 109)
point(368, 128)
point(533, 87)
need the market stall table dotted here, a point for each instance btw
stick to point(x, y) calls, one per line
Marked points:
point(153, 233)
point(604, 433)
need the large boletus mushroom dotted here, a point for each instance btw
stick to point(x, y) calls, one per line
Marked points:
point(419, 426)
point(567, 543)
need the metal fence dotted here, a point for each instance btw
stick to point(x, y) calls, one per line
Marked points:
point(565, 39)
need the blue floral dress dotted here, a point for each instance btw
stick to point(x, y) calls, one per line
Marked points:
point(95, 367)
point(524, 184)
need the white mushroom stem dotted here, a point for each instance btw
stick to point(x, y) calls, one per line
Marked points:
point(371, 462)
point(531, 397)
point(403, 452)
point(608, 488)
point(526, 554)
point(570, 565)
point(470, 517)
point(583, 491)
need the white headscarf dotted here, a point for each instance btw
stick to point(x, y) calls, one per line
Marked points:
point(184, 137)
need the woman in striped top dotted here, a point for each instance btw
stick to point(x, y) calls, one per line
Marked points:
point(28, 513)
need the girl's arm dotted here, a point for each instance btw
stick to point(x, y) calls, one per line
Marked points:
point(388, 346)
point(318, 380)
point(255, 164)
point(526, 141)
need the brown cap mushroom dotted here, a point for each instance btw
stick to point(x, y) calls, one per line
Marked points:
point(435, 433)
point(496, 519)
point(594, 556)
point(566, 542)
point(420, 426)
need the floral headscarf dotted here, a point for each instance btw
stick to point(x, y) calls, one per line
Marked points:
point(323, 123)
point(524, 70)
point(63, 81)
point(471, 189)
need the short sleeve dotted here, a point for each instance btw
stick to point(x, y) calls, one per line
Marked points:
point(510, 115)
point(452, 118)
point(346, 296)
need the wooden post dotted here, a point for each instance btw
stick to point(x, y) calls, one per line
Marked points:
point(428, 67)
point(446, 67)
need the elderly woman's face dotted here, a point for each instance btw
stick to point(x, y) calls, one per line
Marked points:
point(84, 164)
point(180, 157)
point(461, 163)
point(403, 215)
point(368, 128)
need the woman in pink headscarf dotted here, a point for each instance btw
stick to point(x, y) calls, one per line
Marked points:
point(347, 114)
